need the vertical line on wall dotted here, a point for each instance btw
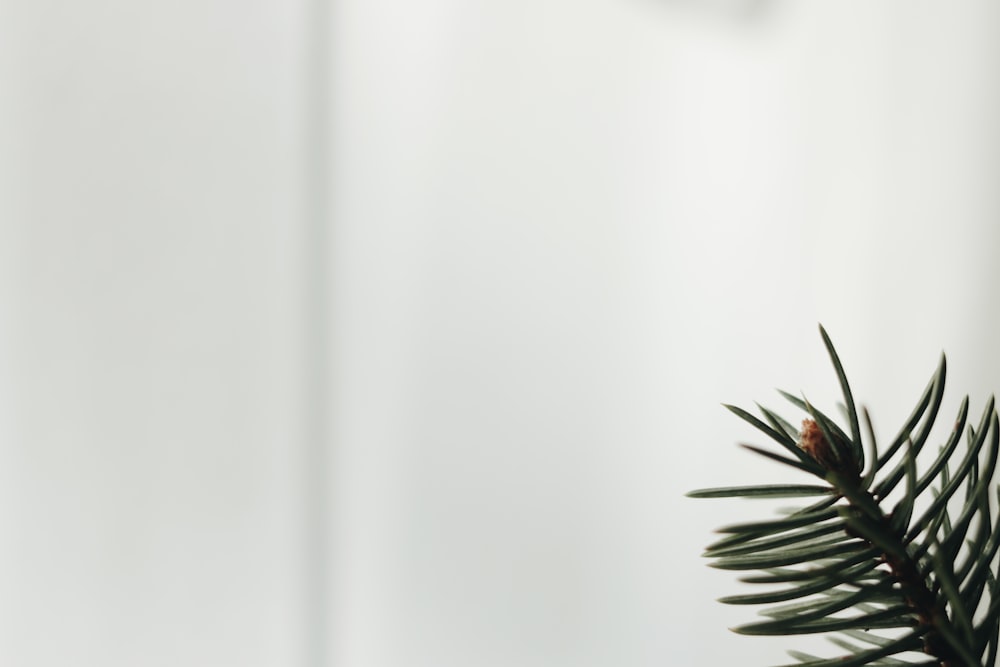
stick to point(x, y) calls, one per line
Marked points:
point(316, 574)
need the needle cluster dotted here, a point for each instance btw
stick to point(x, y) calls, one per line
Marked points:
point(895, 561)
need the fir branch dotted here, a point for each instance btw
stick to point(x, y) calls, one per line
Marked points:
point(849, 564)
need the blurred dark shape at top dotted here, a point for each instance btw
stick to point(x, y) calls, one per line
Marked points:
point(731, 10)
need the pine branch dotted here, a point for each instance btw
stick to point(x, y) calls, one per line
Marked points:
point(847, 564)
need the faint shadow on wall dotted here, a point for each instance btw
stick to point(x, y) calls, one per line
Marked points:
point(729, 10)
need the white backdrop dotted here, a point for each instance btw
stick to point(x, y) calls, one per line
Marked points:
point(552, 237)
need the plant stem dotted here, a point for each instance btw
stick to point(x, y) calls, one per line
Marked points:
point(926, 606)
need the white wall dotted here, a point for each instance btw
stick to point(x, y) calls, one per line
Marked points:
point(559, 235)
point(151, 315)
point(564, 233)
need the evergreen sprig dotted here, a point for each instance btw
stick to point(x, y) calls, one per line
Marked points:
point(889, 561)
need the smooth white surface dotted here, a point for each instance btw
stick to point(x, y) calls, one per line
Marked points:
point(564, 233)
point(149, 467)
point(560, 235)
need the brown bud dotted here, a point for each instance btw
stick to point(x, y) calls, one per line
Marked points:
point(812, 442)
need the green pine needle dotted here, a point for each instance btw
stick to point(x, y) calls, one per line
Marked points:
point(854, 565)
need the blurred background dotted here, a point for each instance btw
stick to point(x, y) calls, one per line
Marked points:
point(390, 334)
